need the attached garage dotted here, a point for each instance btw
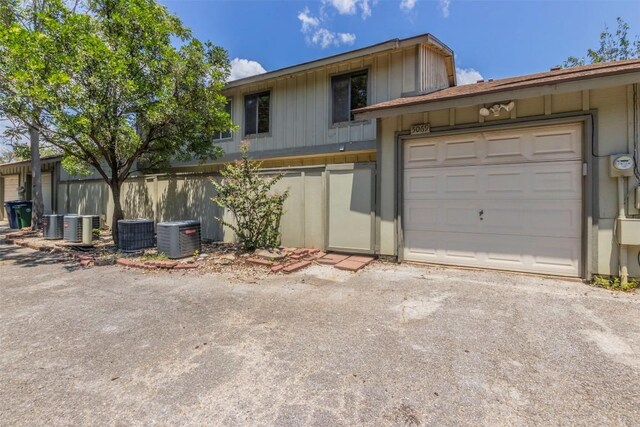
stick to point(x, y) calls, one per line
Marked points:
point(507, 199)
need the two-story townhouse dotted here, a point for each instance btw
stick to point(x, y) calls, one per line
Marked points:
point(298, 120)
point(384, 154)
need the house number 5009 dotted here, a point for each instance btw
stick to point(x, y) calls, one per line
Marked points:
point(418, 129)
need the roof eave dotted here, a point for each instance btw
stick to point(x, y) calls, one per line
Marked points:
point(43, 160)
point(467, 100)
point(346, 56)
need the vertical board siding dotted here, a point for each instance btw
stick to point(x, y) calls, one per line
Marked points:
point(409, 68)
point(433, 69)
point(301, 103)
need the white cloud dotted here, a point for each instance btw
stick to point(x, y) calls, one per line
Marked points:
point(349, 7)
point(325, 38)
point(241, 68)
point(308, 21)
point(365, 8)
point(465, 76)
point(347, 38)
point(320, 36)
point(444, 6)
point(407, 5)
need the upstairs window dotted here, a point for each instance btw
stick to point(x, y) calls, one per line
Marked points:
point(256, 113)
point(349, 92)
point(218, 136)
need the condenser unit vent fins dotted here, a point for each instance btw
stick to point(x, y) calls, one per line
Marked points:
point(52, 226)
point(72, 228)
point(135, 234)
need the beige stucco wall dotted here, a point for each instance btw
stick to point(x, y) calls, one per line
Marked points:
point(613, 114)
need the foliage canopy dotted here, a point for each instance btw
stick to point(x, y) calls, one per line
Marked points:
point(613, 47)
point(120, 85)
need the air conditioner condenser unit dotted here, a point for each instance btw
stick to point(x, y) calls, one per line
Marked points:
point(179, 239)
point(53, 227)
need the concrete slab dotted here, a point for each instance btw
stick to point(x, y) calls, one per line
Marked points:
point(332, 259)
point(350, 265)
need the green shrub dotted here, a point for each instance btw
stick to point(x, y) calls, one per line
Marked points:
point(614, 283)
point(151, 256)
point(256, 209)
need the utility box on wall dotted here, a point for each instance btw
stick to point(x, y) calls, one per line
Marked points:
point(628, 231)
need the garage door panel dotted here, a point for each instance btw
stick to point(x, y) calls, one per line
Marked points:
point(420, 182)
point(11, 184)
point(557, 143)
point(500, 199)
point(542, 254)
point(549, 143)
point(522, 218)
point(528, 181)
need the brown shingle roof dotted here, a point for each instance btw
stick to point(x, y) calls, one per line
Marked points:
point(531, 80)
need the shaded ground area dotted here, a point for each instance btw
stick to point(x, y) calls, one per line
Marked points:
point(391, 345)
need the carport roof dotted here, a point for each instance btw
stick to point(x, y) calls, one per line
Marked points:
point(552, 77)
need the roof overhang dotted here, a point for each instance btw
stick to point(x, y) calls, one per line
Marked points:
point(43, 161)
point(354, 54)
point(503, 95)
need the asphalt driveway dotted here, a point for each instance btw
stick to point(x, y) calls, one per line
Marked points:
point(387, 346)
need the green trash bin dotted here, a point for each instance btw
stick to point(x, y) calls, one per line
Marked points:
point(24, 215)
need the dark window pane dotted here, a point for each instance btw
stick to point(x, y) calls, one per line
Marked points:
point(358, 91)
point(250, 114)
point(340, 101)
point(263, 113)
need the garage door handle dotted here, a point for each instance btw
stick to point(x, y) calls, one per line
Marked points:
point(480, 214)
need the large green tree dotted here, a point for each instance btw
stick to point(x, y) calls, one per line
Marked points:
point(26, 15)
point(613, 47)
point(126, 88)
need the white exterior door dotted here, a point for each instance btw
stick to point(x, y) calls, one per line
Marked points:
point(11, 183)
point(503, 199)
point(351, 207)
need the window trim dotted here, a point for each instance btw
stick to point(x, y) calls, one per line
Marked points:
point(330, 85)
point(231, 101)
point(244, 113)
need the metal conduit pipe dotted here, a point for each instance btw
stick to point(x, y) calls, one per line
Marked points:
point(622, 249)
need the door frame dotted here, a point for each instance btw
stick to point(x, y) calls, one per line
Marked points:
point(590, 207)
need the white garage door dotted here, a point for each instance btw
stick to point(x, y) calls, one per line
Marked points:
point(11, 187)
point(504, 199)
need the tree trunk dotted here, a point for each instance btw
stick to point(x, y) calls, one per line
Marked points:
point(37, 208)
point(117, 209)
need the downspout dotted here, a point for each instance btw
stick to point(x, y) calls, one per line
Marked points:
point(622, 249)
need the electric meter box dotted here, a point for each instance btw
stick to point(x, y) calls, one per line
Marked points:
point(621, 165)
point(628, 231)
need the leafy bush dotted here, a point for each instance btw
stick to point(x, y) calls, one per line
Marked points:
point(256, 209)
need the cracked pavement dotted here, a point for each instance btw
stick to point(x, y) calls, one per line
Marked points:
point(390, 345)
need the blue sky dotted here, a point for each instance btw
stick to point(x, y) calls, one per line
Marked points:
point(495, 38)
point(491, 39)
